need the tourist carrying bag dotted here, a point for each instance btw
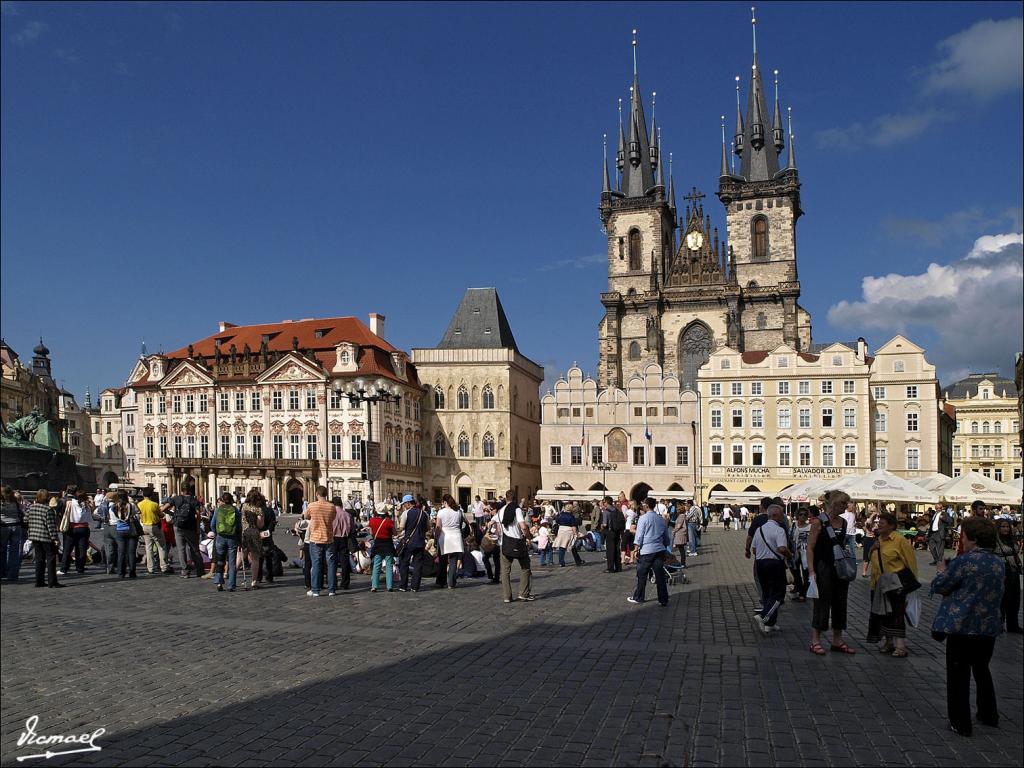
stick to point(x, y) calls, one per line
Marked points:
point(846, 566)
point(65, 520)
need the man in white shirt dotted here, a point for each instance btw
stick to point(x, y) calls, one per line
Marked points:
point(661, 509)
point(941, 519)
point(727, 516)
point(744, 516)
point(771, 550)
point(850, 516)
point(515, 547)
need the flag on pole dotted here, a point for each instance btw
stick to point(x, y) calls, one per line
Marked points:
point(647, 432)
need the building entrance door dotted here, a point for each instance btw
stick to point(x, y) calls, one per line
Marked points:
point(465, 497)
point(294, 497)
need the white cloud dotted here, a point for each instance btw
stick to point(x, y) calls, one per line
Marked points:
point(974, 307)
point(984, 60)
point(29, 33)
point(883, 131)
point(580, 262)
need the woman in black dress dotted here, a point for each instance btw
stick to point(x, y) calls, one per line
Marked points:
point(253, 510)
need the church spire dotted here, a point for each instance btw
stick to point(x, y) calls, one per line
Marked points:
point(620, 156)
point(738, 136)
point(606, 186)
point(725, 165)
point(638, 171)
point(777, 119)
point(671, 186)
point(791, 165)
point(758, 161)
point(655, 141)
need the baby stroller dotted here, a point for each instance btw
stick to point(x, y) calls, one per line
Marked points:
point(674, 570)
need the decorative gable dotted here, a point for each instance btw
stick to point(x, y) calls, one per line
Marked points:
point(138, 372)
point(187, 374)
point(398, 361)
point(291, 368)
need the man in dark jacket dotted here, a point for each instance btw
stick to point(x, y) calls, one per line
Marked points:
point(614, 523)
point(186, 512)
point(414, 541)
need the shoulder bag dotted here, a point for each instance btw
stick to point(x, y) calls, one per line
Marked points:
point(846, 566)
point(65, 520)
point(488, 543)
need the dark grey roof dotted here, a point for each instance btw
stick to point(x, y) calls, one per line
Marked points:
point(969, 387)
point(638, 179)
point(479, 323)
point(763, 163)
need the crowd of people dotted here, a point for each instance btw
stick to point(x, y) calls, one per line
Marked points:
point(811, 550)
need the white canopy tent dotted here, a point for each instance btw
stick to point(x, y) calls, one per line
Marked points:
point(932, 481)
point(1018, 483)
point(807, 490)
point(974, 485)
point(749, 498)
point(570, 495)
point(880, 485)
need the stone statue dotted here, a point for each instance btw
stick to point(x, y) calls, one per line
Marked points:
point(35, 431)
point(652, 333)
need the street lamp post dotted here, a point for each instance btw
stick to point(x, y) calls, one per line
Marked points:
point(361, 391)
point(604, 466)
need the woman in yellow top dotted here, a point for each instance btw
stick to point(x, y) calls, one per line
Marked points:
point(890, 554)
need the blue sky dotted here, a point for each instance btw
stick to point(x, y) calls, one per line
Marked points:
point(167, 166)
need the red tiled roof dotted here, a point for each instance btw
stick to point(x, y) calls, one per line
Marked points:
point(753, 358)
point(374, 356)
point(334, 330)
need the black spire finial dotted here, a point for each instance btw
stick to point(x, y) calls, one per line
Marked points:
point(792, 143)
point(606, 185)
point(724, 171)
point(777, 119)
point(738, 137)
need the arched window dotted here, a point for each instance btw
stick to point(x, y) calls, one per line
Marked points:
point(974, 427)
point(488, 446)
point(463, 445)
point(440, 444)
point(463, 399)
point(759, 238)
point(986, 427)
point(438, 399)
point(695, 346)
point(634, 351)
point(635, 258)
point(488, 398)
point(762, 321)
point(515, 447)
point(998, 427)
point(529, 449)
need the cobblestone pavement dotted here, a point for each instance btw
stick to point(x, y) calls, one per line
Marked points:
point(178, 674)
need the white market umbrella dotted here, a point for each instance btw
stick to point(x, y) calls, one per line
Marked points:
point(974, 485)
point(881, 485)
point(1018, 483)
point(932, 481)
point(807, 490)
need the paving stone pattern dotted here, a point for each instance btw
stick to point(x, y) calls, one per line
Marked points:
point(179, 674)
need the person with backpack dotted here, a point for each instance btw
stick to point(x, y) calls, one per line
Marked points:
point(253, 518)
point(227, 527)
point(414, 541)
point(270, 563)
point(185, 514)
point(614, 527)
point(123, 520)
point(515, 547)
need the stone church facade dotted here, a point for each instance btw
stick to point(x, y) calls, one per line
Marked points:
point(677, 289)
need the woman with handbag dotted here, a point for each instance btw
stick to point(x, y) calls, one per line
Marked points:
point(123, 517)
point(74, 525)
point(827, 537)
point(252, 528)
point(515, 548)
point(968, 621)
point(891, 556)
point(1007, 547)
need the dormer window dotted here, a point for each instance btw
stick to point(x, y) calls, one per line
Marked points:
point(345, 357)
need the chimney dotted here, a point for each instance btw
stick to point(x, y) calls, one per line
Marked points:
point(223, 325)
point(377, 324)
point(862, 348)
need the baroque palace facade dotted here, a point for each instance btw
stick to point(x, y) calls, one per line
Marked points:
point(257, 406)
point(709, 328)
point(987, 436)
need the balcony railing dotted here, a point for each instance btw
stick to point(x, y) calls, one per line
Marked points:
point(235, 461)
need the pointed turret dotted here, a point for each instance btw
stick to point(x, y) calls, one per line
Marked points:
point(659, 180)
point(638, 174)
point(758, 161)
point(791, 165)
point(777, 119)
point(737, 142)
point(671, 187)
point(620, 156)
point(724, 171)
point(606, 185)
point(655, 140)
